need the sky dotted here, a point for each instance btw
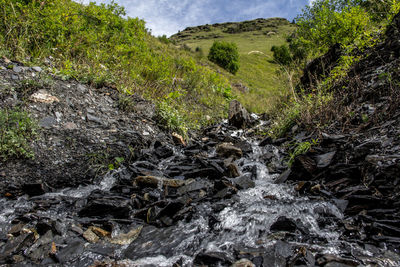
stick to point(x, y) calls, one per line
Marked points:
point(169, 16)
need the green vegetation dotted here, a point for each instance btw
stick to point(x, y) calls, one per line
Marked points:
point(300, 148)
point(282, 55)
point(225, 55)
point(98, 45)
point(355, 25)
point(16, 132)
point(257, 71)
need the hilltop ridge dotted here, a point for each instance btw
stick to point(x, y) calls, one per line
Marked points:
point(256, 84)
point(258, 26)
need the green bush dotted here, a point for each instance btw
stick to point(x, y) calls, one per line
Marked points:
point(225, 55)
point(170, 118)
point(281, 54)
point(17, 130)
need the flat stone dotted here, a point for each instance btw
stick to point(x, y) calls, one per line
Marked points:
point(228, 150)
point(58, 116)
point(178, 139)
point(47, 122)
point(194, 186)
point(81, 88)
point(72, 250)
point(37, 69)
point(42, 96)
point(154, 181)
point(70, 126)
point(126, 239)
point(99, 231)
point(92, 118)
point(243, 182)
point(90, 236)
point(325, 159)
point(18, 69)
point(243, 263)
point(90, 111)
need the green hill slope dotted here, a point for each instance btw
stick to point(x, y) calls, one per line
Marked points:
point(98, 45)
point(254, 40)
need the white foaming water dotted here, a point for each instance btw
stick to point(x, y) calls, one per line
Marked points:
point(248, 220)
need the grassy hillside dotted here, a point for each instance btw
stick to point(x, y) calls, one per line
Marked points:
point(98, 45)
point(254, 40)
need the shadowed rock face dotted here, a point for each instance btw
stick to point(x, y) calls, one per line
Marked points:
point(320, 67)
point(82, 130)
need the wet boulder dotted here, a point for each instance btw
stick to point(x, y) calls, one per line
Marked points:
point(243, 182)
point(213, 259)
point(100, 205)
point(238, 115)
point(154, 181)
point(227, 150)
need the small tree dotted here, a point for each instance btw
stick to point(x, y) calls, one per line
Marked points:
point(282, 55)
point(225, 55)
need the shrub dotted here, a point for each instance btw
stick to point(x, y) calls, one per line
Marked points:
point(225, 55)
point(170, 118)
point(17, 130)
point(164, 39)
point(282, 55)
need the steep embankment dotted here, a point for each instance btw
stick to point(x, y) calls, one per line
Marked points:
point(99, 46)
point(257, 84)
point(76, 82)
point(357, 159)
point(81, 131)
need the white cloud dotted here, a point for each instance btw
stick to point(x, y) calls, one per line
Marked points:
point(169, 16)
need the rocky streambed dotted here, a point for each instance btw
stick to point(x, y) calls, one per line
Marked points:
point(218, 201)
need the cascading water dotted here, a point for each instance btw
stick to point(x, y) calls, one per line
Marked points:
point(223, 227)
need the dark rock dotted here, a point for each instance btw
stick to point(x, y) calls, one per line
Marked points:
point(265, 141)
point(283, 224)
point(203, 173)
point(194, 186)
point(325, 159)
point(164, 151)
point(213, 259)
point(107, 207)
point(15, 245)
point(47, 122)
point(283, 177)
point(243, 182)
point(244, 146)
point(71, 251)
point(341, 204)
point(320, 67)
point(34, 189)
point(238, 115)
point(153, 181)
point(232, 170)
point(92, 118)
